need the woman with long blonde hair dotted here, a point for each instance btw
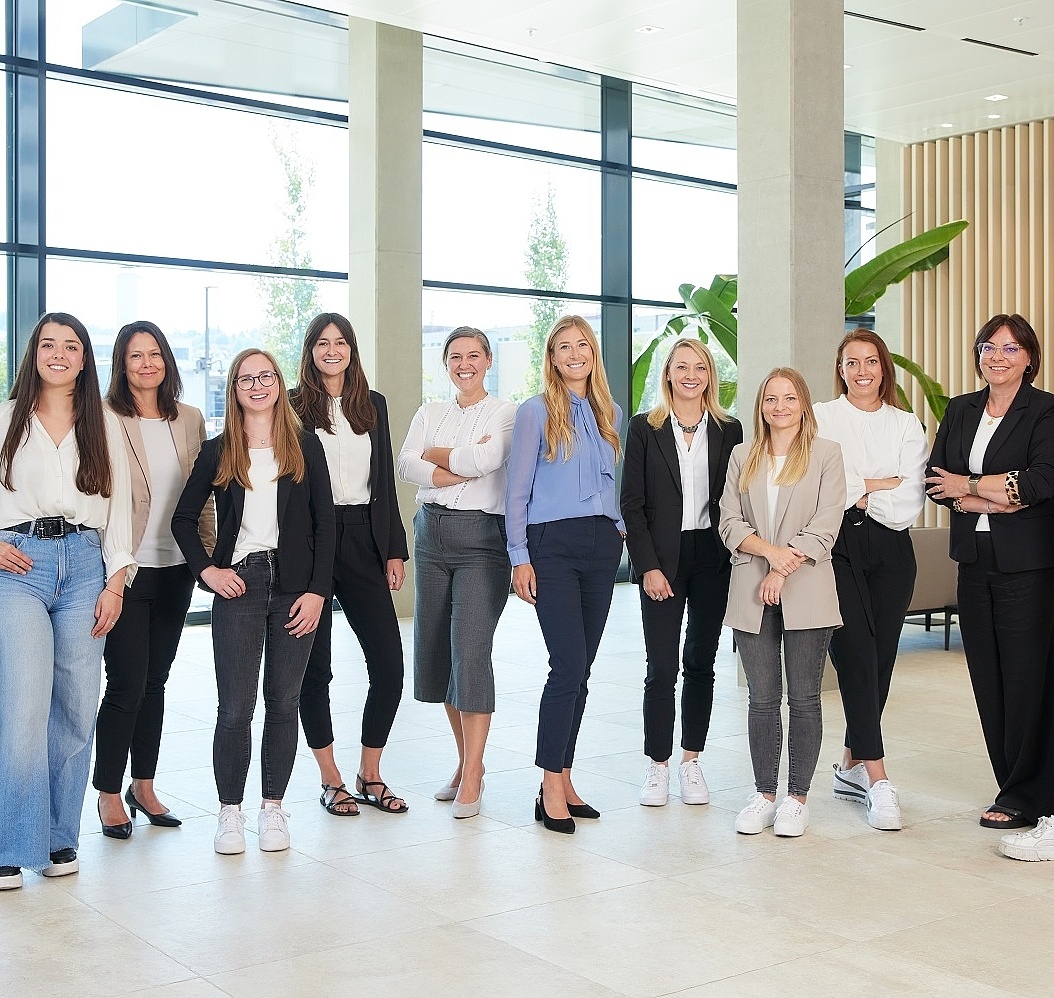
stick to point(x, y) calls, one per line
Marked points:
point(676, 460)
point(565, 542)
point(271, 571)
point(780, 514)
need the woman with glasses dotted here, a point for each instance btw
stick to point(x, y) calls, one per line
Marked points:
point(334, 400)
point(271, 572)
point(992, 466)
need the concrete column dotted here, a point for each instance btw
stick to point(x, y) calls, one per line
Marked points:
point(889, 208)
point(791, 191)
point(384, 284)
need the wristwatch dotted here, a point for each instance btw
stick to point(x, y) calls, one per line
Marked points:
point(973, 480)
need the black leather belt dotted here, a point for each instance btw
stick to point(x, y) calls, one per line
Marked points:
point(48, 527)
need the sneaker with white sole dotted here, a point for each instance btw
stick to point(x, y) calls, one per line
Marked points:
point(656, 789)
point(883, 807)
point(273, 825)
point(1032, 846)
point(10, 878)
point(792, 818)
point(693, 786)
point(758, 815)
point(230, 831)
point(852, 783)
point(63, 863)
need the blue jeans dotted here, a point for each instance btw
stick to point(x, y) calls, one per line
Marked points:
point(50, 670)
point(243, 629)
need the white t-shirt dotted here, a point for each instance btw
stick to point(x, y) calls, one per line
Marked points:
point(982, 438)
point(158, 548)
point(259, 527)
point(775, 467)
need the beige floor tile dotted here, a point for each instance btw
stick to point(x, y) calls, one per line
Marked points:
point(198, 987)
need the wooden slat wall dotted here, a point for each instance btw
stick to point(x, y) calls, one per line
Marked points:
point(1002, 182)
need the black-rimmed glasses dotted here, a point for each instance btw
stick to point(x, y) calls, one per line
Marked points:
point(247, 382)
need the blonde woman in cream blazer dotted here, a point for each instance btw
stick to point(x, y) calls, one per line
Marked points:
point(780, 514)
point(162, 439)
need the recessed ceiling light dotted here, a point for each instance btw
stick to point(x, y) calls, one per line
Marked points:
point(648, 29)
point(947, 124)
point(995, 97)
point(994, 116)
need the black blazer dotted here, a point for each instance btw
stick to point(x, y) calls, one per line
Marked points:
point(1024, 442)
point(386, 523)
point(652, 503)
point(306, 530)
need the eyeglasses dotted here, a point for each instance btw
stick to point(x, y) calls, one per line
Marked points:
point(1008, 350)
point(248, 382)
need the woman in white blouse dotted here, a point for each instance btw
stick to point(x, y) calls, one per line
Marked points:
point(162, 437)
point(65, 552)
point(884, 450)
point(456, 452)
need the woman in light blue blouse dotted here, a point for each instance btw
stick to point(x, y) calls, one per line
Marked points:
point(565, 537)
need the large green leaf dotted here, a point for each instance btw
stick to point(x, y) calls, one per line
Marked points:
point(865, 285)
point(704, 304)
point(642, 365)
point(933, 390)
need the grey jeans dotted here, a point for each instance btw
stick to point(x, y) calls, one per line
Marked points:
point(804, 653)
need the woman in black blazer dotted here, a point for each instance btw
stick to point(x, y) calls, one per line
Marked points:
point(993, 465)
point(676, 461)
point(334, 400)
point(271, 571)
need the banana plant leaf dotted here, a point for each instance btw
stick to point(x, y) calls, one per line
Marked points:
point(931, 389)
point(865, 285)
point(707, 307)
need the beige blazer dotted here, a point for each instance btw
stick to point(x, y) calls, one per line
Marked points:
point(808, 517)
point(188, 434)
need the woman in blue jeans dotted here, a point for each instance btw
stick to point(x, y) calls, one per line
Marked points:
point(781, 510)
point(271, 571)
point(565, 537)
point(65, 552)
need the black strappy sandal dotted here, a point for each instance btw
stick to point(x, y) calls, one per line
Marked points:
point(334, 806)
point(380, 801)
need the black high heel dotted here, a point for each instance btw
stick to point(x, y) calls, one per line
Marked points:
point(166, 819)
point(121, 831)
point(576, 810)
point(564, 825)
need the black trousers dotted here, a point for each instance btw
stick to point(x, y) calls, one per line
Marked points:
point(703, 574)
point(874, 571)
point(1006, 620)
point(139, 653)
point(360, 582)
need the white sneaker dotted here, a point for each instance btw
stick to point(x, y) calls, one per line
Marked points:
point(792, 818)
point(656, 789)
point(883, 806)
point(693, 787)
point(852, 783)
point(230, 831)
point(759, 813)
point(1032, 846)
point(274, 828)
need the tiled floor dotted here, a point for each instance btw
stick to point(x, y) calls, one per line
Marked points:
point(647, 901)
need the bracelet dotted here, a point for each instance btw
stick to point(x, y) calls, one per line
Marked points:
point(112, 593)
point(1013, 489)
point(989, 502)
point(957, 505)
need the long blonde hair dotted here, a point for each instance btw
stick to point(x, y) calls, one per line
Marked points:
point(797, 462)
point(559, 431)
point(711, 397)
point(285, 431)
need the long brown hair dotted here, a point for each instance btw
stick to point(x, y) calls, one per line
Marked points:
point(310, 399)
point(557, 396)
point(797, 462)
point(94, 475)
point(660, 412)
point(285, 431)
point(120, 396)
point(888, 394)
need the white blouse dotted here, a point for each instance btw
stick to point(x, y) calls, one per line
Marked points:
point(694, 462)
point(446, 424)
point(982, 438)
point(348, 458)
point(158, 548)
point(882, 444)
point(43, 479)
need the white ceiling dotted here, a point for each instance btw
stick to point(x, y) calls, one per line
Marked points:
point(901, 84)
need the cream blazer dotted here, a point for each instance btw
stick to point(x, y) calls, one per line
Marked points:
point(808, 517)
point(188, 434)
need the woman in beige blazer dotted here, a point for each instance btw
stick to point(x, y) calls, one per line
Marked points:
point(162, 438)
point(780, 513)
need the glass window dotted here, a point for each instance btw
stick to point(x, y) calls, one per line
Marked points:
point(684, 135)
point(7, 360)
point(681, 235)
point(130, 173)
point(504, 98)
point(480, 210)
point(513, 324)
point(243, 311)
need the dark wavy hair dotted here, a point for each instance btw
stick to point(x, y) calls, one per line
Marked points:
point(169, 392)
point(1024, 335)
point(94, 475)
point(310, 399)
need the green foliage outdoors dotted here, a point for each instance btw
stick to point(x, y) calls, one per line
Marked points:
point(546, 269)
point(290, 302)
